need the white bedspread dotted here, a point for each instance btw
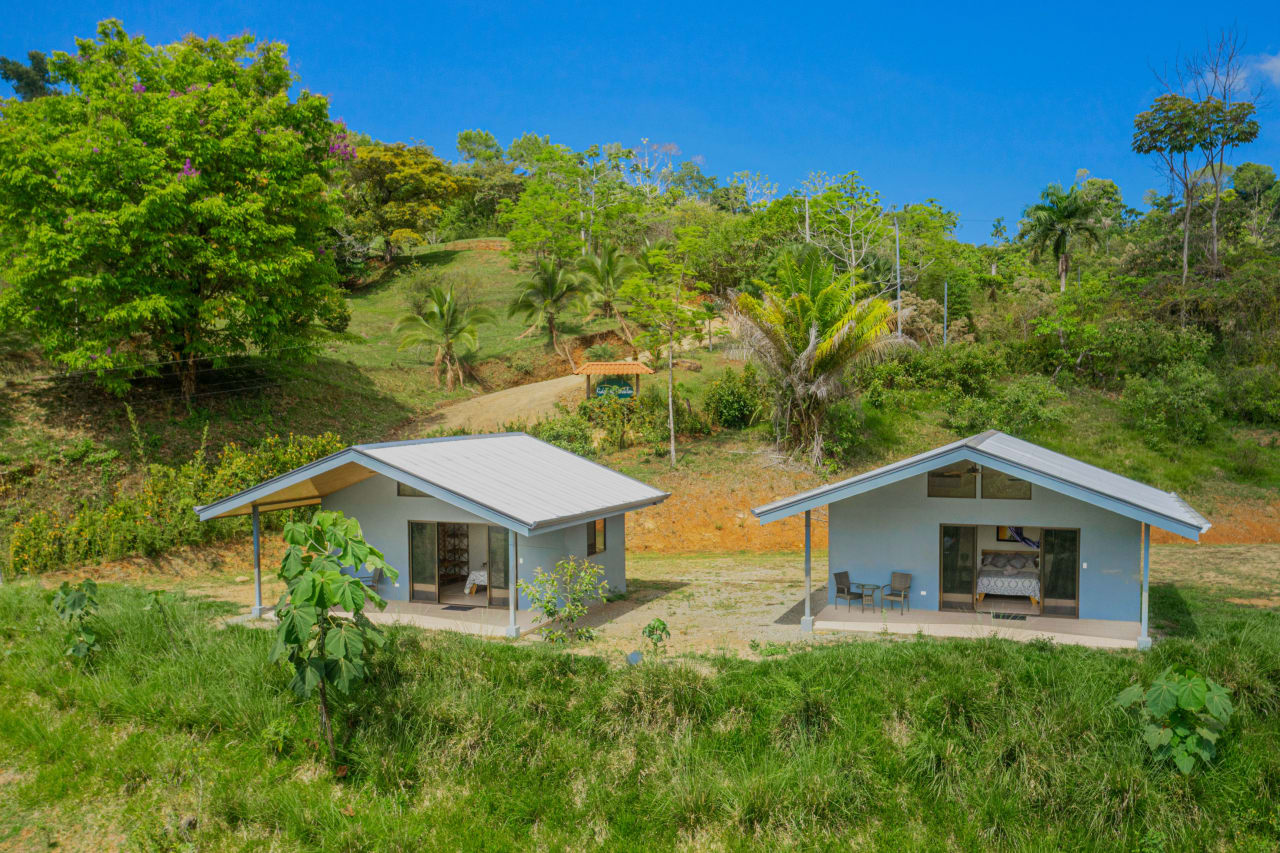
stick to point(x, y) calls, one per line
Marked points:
point(477, 577)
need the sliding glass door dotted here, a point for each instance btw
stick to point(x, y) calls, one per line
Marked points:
point(1060, 573)
point(499, 572)
point(959, 556)
point(423, 579)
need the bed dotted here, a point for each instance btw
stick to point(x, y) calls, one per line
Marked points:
point(476, 578)
point(1015, 573)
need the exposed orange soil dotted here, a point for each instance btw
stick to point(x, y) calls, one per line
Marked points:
point(1236, 523)
point(713, 512)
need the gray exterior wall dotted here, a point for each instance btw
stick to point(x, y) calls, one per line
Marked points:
point(384, 517)
point(896, 528)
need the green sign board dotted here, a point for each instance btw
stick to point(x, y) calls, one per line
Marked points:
point(616, 385)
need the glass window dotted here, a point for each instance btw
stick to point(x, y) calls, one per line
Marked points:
point(595, 537)
point(410, 492)
point(999, 485)
point(954, 481)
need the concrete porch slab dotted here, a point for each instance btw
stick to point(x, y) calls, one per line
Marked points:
point(482, 621)
point(1095, 633)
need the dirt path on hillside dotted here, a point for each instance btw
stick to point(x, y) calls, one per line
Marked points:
point(488, 412)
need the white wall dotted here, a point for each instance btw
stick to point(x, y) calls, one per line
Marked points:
point(895, 528)
point(384, 517)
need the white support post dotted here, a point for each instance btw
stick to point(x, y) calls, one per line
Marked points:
point(1144, 639)
point(806, 624)
point(513, 589)
point(256, 611)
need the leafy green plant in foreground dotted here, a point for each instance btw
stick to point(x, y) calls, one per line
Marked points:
point(326, 648)
point(563, 595)
point(657, 633)
point(76, 605)
point(1185, 715)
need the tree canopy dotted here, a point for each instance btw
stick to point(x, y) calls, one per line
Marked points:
point(170, 209)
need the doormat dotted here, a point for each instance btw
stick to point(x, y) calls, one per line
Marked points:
point(1012, 617)
point(461, 607)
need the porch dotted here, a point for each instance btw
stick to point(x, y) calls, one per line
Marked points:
point(479, 620)
point(1095, 633)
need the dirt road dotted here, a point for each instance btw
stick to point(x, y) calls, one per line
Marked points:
point(489, 412)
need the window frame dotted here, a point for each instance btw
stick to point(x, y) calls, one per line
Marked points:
point(982, 489)
point(928, 479)
point(404, 490)
point(597, 537)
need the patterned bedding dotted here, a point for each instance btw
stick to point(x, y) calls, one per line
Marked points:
point(996, 582)
point(1009, 573)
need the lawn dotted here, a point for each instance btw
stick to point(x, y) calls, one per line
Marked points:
point(180, 735)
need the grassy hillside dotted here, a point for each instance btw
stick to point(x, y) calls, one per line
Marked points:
point(180, 734)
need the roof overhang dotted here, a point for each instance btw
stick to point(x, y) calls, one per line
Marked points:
point(308, 485)
point(951, 454)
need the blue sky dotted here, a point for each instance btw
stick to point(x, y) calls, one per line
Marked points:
point(978, 111)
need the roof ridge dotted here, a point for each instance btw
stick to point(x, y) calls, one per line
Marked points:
point(436, 439)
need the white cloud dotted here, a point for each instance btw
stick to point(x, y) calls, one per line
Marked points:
point(1269, 67)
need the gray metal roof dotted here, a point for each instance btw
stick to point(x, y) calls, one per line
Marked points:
point(1018, 458)
point(512, 479)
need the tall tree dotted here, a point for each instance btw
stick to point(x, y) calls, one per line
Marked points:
point(1214, 77)
point(807, 326)
point(171, 210)
point(1256, 186)
point(662, 292)
point(394, 194)
point(545, 297)
point(1171, 130)
point(607, 272)
point(446, 322)
point(1060, 217)
point(29, 81)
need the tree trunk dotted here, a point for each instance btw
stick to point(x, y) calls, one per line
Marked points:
point(326, 728)
point(671, 395)
point(1186, 248)
point(187, 375)
point(1064, 265)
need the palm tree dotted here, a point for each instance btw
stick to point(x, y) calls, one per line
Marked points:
point(606, 273)
point(1060, 216)
point(546, 295)
point(450, 325)
point(806, 328)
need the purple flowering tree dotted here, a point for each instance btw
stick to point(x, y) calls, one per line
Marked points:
point(170, 209)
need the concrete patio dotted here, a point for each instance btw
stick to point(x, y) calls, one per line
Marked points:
point(1095, 633)
point(479, 620)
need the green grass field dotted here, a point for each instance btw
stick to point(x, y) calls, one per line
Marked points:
point(181, 736)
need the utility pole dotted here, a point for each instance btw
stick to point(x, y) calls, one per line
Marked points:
point(945, 306)
point(897, 266)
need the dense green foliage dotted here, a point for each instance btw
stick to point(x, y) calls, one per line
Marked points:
point(170, 210)
point(971, 744)
point(76, 606)
point(159, 514)
point(562, 594)
point(1185, 715)
point(321, 628)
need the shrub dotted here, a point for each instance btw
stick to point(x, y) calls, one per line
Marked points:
point(1149, 348)
point(613, 415)
point(1181, 407)
point(1252, 394)
point(160, 515)
point(657, 633)
point(604, 351)
point(567, 430)
point(1019, 407)
point(1184, 715)
point(523, 362)
point(76, 605)
point(563, 595)
point(735, 400)
point(969, 369)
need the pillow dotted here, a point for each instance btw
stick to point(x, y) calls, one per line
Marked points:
point(999, 560)
point(1018, 562)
